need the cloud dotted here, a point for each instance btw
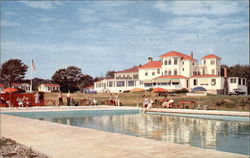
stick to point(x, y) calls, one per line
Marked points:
point(6, 23)
point(45, 19)
point(219, 8)
point(42, 4)
point(87, 15)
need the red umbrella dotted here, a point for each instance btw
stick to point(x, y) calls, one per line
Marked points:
point(158, 90)
point(9, 90)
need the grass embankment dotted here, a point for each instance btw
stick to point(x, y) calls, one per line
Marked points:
point(215, 102)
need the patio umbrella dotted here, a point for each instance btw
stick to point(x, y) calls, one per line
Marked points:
point(137, 90)
point(198, 90)
point(9, 90)
point(159, 90)
point(134, 90)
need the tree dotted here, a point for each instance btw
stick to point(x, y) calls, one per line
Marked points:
point(85, 81)
point(68, 78)
point(110, 74)
point(13, 70)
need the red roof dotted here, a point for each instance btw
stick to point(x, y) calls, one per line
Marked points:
point(172, 76)
point(209, 56)
point(173, 53)
point(133, 69)
point(151, 64)
point(51, 85)
point(1, 85)
point(16, 84)
point(204, 76)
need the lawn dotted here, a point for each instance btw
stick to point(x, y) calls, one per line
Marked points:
point(215, 102)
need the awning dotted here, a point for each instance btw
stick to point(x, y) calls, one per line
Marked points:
point(147, 81)
point(161, 80)
point(175, 80)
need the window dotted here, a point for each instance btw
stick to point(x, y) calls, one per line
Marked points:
point(153, 73)
point(243, 81)
point(131, 83)
point(182, 69)
point(175, 72)
point(146, 73)
point(166, 72)
point(141, 82)
point(175, 61)
point(233, 80)
point(135, 76)
point(169, 72)
point(212, 71)
point(195, 82)
point(204, 62)
point(193, 63)
point(158, 71)
point(212, 62)
point(110, 84)
point(239, 80)
point(213, 82)
point(175, 83)
point(183, 63)
point(148, 84)
point(166, 62)
point(120, 83)
point(169, 62)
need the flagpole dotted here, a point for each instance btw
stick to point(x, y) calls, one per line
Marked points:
point(31, 76)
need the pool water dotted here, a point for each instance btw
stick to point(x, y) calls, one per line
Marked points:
point(223, 133)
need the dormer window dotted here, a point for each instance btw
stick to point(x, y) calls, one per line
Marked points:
point(175, 61)
point(212, 62)
point(169, 73)
point(169, 61)
point(175, 72)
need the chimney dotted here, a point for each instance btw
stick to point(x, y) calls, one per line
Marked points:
point(225, 72)
point(150, 59)
point(191, 54)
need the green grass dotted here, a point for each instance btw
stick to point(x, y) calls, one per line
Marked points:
point(217, 102)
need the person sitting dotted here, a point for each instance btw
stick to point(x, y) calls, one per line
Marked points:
point(145, 102)
point(75, 103)
point(94, 101)
point(168, 104)
point(3, 101)
point(150, 104)
point(19, 102)
point(26, 102)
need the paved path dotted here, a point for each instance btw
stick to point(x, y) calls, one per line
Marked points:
point(63, 141)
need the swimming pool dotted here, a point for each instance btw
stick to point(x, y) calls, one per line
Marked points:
point(223, 133)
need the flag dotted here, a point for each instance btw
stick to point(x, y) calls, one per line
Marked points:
point(33, 65)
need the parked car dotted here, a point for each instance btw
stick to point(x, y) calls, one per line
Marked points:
point(237, 92)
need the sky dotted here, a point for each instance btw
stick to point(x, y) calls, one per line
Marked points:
point(98, 36)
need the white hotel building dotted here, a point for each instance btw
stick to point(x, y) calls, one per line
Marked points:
point(174, 71)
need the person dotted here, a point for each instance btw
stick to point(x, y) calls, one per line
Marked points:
point(145, 102)
point(60, 98)
point(74, 102)
point(117, 100)
point(68, 98)
point(19, 102)
point(164, 102)
point(26, 101)
point(3, 101)
point(94, 101)
point(37, 98)
point(150, 103)
point(168, 104)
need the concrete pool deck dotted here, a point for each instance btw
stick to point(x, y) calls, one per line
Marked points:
point(63, 141)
